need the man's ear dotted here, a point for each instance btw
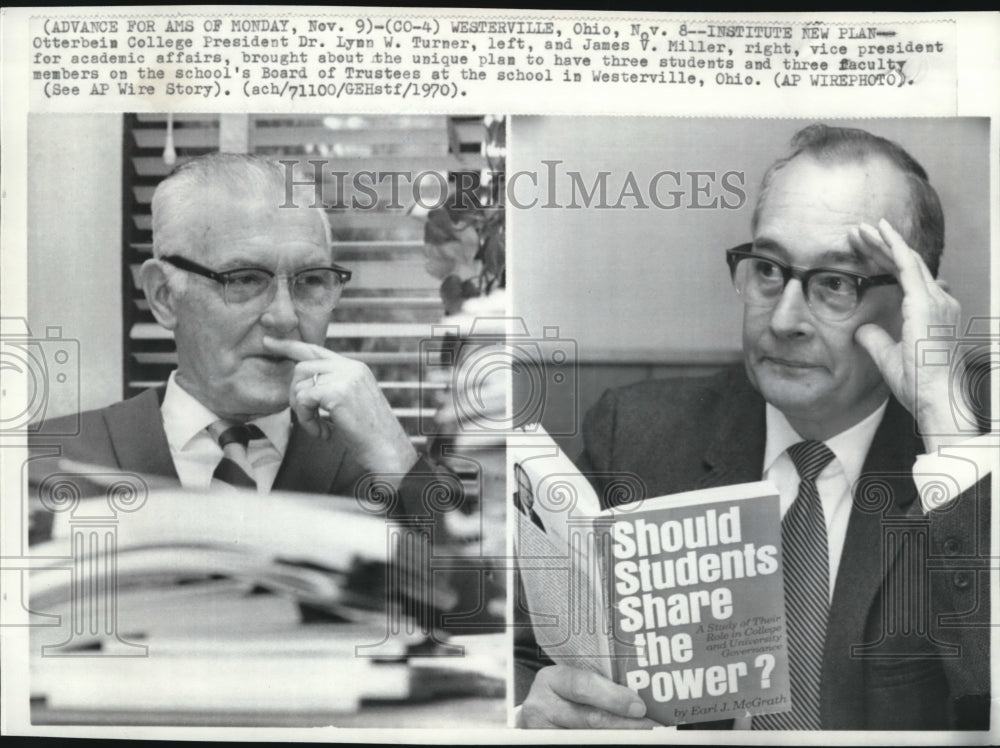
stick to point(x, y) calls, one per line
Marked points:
point(161, 297)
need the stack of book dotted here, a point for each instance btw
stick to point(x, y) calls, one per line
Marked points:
point(238, 608)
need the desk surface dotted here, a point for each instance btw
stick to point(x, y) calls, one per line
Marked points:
point(439, 714)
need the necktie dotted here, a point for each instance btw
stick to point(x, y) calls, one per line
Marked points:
point(807, 591)
point(234, 468)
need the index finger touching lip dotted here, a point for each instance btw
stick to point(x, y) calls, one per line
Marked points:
point(296, 350)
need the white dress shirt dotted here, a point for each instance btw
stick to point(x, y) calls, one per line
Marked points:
point(196, 454)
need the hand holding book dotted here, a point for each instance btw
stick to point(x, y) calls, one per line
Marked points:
point(675, 601)
point(569, 697)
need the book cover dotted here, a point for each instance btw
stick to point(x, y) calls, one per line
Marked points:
point(678, 597)
point(697, 604)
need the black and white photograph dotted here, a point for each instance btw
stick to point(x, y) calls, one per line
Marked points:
point(250, 485)
point(469, 375)
point(745, 300)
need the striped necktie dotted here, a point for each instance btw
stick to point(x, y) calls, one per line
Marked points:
point(234, 468)
point(807, 591)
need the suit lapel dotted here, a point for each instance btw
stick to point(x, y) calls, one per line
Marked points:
point(736, 453)
point(887, 473)
point(140, 444)
point(310, 465)
point(137, 435)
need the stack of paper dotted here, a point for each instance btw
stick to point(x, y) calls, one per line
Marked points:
point(237, 604)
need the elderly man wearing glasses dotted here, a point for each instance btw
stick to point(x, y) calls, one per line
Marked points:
point(256, 401)
point(834, 405)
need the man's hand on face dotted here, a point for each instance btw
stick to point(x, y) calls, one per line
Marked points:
point(925, 303)
point(356, 410)
point(563, 696)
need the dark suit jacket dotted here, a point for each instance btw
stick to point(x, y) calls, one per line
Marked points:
point(129, 436)
point(928, 670)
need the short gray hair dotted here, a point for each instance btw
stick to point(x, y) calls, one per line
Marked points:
point(178, 197)
point(925, 229)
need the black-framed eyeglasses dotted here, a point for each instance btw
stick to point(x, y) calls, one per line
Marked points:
point(315, 288)
point(832, 295)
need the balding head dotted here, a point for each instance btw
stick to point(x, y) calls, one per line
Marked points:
point(923, 218)
point(183, 203)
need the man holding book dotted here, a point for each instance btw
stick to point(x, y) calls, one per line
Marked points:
point(834, 406)
point(245, 281)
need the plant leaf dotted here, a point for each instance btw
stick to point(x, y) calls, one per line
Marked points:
point(439, 227)
point(451, 294)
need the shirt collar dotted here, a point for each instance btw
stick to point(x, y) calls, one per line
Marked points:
point(850, 446)
point(184, 418)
